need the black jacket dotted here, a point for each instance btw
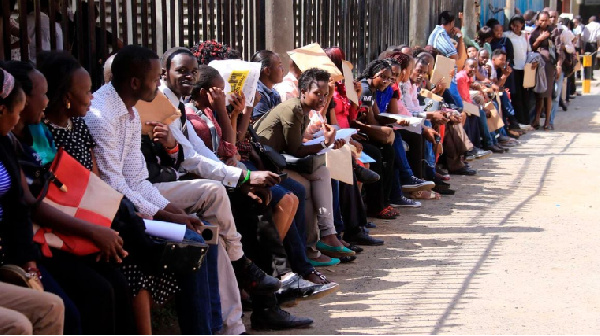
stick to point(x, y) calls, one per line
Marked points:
point(16, 231)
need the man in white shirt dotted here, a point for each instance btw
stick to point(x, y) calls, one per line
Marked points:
point(177, 82)
point(115, 125)
point(591, 39)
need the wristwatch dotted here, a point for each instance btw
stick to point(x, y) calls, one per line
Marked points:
point(323, 144)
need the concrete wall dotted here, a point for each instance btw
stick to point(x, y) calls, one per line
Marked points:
point(279, 28)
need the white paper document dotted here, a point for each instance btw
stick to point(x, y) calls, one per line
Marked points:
point(239, 76)
point(165, 230)
point(415, 124)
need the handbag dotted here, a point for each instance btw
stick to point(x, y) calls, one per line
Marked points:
point(306, 165)
point(15, 275)
point(181, 257)
point(78, 192)
point(271, 159)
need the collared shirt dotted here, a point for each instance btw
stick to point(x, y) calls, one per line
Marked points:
point(118, 136)
point(269, 98)
point(440, 40)
point(288, 88)
point(463, 83)
point(283, 127)
point(593, 32)
point(198, 158)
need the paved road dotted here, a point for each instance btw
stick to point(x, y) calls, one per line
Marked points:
point(515, 251)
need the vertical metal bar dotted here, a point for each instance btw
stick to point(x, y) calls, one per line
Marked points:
point(5, 46)
point(165, 25)
point(219, 20)
point(91, 45)
point(227, 22)
point(114, 11)
point(244, 20)
point(79, 24)
point(144, 23)
point(239, 27)
point(172, 11)
point(205, 18)
point(197, 26)
point(181, 28)
point(52, 24)
point(124, 27)
point(134, 21)
point(23, 29)
point(212, 22)
point(191, 23)
point(38, 30)
point(103, 43)
point(153, 25)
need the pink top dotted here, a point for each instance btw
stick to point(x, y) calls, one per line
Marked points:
point(345, 111)
point(225, 149)
point(463, 83)
point(402, 110)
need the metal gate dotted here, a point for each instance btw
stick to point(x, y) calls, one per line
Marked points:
point(362, 28)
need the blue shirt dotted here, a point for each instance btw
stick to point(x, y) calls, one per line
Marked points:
point(269, 98)
point(383, 98)
point(440, 40)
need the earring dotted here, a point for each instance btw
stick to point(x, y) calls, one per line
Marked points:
point(68, 105)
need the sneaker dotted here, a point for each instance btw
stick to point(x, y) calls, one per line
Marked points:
point(481, 154)
point(416, 184)
point(403, 201)
point(504, 138)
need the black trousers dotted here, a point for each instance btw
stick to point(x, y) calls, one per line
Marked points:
point(592, 47)
point(99, 290)
point(518, 98)
point(378, 193)
point(352, 208)
point(416, 153)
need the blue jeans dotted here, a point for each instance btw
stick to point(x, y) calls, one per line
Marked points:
point(429, 157)
point(455, 95)
point(558, 88)
point(402, 166)
point(199, 303)
point(294, 241)
point(489, 139)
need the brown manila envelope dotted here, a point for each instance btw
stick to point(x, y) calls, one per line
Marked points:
point(349, 81)
point(339, 163)
point(495, 122)
point(428, 94)
point(313, 56)
point(160, 109)
point(529, 77)
point(471, 109)
point(442, 70)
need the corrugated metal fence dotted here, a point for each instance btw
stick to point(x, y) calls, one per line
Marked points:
point(156, 24)
point(362, 28)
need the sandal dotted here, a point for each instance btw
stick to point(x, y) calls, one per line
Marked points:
point(319, 275)
point(426, 194)
point(388, 213)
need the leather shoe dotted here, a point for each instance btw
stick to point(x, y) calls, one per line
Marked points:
point(464, 171)
point(275, 318)
point(370, 225)
point(495, 149)
point(363, 238)
point(366, 176)
point(251, 278)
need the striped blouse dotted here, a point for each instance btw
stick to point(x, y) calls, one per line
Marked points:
point(5, 184)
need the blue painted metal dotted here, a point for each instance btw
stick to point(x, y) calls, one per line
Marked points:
point(495, 8)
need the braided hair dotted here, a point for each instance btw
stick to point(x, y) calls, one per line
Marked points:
point(211, 50)
point(312, 76)
point(401, 59)
point(374, 68)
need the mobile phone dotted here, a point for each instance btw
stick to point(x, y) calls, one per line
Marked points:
point(437, 139)
point(282, 177)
